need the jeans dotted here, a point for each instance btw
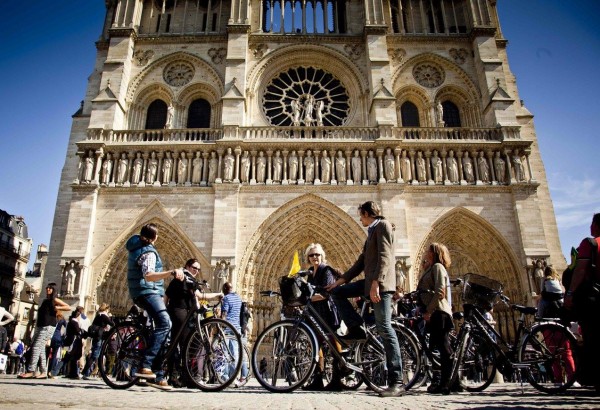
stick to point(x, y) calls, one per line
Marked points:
point(383, 323)
point(245, 372)
point(55, 347)
point(340, 296)
point(154, 306)
point(93, 358)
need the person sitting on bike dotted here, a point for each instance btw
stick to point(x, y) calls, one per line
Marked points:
point(322, 275)
point(378, 263)
point(436, 310)
point(145, 279)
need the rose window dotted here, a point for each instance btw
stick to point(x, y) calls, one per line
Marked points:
point(428, 75)
point(306, 96)
point(178, 73)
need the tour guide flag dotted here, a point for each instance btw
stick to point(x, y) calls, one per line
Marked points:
point(295, 266)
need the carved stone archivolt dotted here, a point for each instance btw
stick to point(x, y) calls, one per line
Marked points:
point(428, 75)
point(178, 73)
point(143, 56)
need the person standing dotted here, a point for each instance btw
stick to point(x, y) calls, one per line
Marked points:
point(46, 322)
point(15, 351)
point(56, 344)
point(377, 262)
point(145, 279)
point(231, 310)
point(101, 321)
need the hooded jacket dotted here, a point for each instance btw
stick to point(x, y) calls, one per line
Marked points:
point(138, 286)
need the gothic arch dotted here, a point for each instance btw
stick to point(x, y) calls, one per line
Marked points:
point(416, 96)
point(173, 244)
point(476, 246)
point(200, 90)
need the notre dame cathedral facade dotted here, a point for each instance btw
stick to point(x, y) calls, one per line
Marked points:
point(247, 129)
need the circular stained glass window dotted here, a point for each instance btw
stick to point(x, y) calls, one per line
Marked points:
point(306, 96)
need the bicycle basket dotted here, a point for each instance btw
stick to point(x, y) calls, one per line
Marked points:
point(294, 291)
point(480, 291)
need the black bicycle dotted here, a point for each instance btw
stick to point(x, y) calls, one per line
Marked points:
point(212, 352)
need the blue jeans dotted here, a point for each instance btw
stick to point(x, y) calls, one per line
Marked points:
point(340, 296)
point(383, 323)
point(94, 355)
point(154, 305)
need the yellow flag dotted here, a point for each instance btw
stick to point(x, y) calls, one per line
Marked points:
point(295, 266)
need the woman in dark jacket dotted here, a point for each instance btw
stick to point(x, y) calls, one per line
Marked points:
point(101, 322)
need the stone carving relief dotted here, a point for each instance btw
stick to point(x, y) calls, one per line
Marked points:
point(459, 55)
point(178, 73)
point(397, 55)
point(217, 55)
point(428, 75)
point(354, 51)
point(143, 56)
point(260, 50)
point(69, 278)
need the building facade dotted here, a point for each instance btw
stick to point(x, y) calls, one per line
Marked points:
point(247, 129)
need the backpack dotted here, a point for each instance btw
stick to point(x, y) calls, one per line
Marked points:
point(245, 316)
point(19, 349)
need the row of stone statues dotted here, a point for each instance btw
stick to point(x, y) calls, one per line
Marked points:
point(298, 167)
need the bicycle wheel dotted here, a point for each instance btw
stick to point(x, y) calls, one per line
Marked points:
point(213, 355)
point(121, 354)
point(477, 369)
point(410, 352)
point(284, 356)
point(350, 381)
point(371, 356)
point(549, 351)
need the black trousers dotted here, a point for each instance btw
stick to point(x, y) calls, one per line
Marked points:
point(439, 327)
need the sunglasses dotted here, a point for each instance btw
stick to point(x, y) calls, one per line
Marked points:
point(195, 267)
point(314, 255)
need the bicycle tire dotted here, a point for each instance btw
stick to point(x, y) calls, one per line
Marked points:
point(549, 349)
point(411, 353)
point(121, 354)
point(477, 368)
point(371, 357)
point(213, 355)
point(351, 381)
point(290, 356)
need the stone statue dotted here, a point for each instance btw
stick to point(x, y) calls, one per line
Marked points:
point(152, 169)
point(70, 276)
point(261, 167)
point(389, 166)
point(277, 167)
point(500, 168)
point(518, 166)
point(356, 166)
point(228, 163)
point(309, 167)
point(182, 167)
point(213, 163)
point(245, 167)
point(468, 168)
point(309, 105)
point(320, 107)
point(483, 167)
point(221, 274)
point(293, 166)
point(371, 167)
point(170, 113)
point(138, 164)
point(167, 169)
point(340, 167)
point(197, 165)
point(405, 167)
point(295, 113)
point(436, 166)
point(452, 168)
point(122, 174)
point(106, 170)
point(88, 169)
point(538, 275)
point(325, 168)
point(440, 112)
point(420, 167)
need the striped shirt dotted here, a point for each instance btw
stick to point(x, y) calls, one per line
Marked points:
point(232, 306)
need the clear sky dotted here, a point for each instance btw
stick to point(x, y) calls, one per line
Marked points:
point(47, 52)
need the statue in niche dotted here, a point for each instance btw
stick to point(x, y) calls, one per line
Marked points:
point(436, 166)
point(309, 167)
point(483, 167)
point(167, 169)
point(152, 169)
point(320, 107)
point(170, 114)
point(452, 167)
point(309, 105)
point(518, 166)
point(123, 165)
point(500, 168)
point(138, 164)
point(538, 275)
point(182, 167)
point(197, 164)
point(261, 167)
point(295, 113)
point(440, 112)
point(389, 166)
point(420, 166)
point(340, 167)
point(106, 170)
point(325, 168)
point(221, 274)
point(372, 167)
point(277, 167)
point(405, 167)
point(213, 163)
point(228, 163)
point(356, 166)
point(245, 167)
point(468, 168)
point(69, 278)
point(293, 166)
point(88, 168)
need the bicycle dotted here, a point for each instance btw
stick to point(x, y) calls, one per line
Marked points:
point(289, 348)
point(242, 381)
point(211, 352)
point(542, 351)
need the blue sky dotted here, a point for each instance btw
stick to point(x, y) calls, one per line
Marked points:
point(47, 52)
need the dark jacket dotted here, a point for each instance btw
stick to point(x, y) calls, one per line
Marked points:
point(138, 286)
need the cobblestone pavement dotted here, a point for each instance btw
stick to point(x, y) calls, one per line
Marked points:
point(94, 394)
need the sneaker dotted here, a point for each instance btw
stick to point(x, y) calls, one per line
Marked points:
point(145, 374)
point(356, 333)
point(86, 378)
point(576, 385)
point(162, 385)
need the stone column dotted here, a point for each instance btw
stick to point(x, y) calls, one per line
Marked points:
point(131, 157)
point(379, 153)
point(145, 157)
point(300, 167)
point(363, 156)
point(527, 152)
point(397, 170)
point(445, 179)
point(284, 179)
point(509, 178)
point(236, 176)
point(474, 158)
point(203, 180)
point(159, 174)
point(428, 173)
point(99, 155)
point(349, 167)
point(490, 157)
point(269, 167)
point(253, 165)
point(219, 180)
point(78, 178)
point(411, 155)
point(317, 153)
point(459, 159)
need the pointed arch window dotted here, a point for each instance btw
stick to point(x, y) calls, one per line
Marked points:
point(451, 114)
point(199, 114)
point(156, 117)
point(410, 115)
